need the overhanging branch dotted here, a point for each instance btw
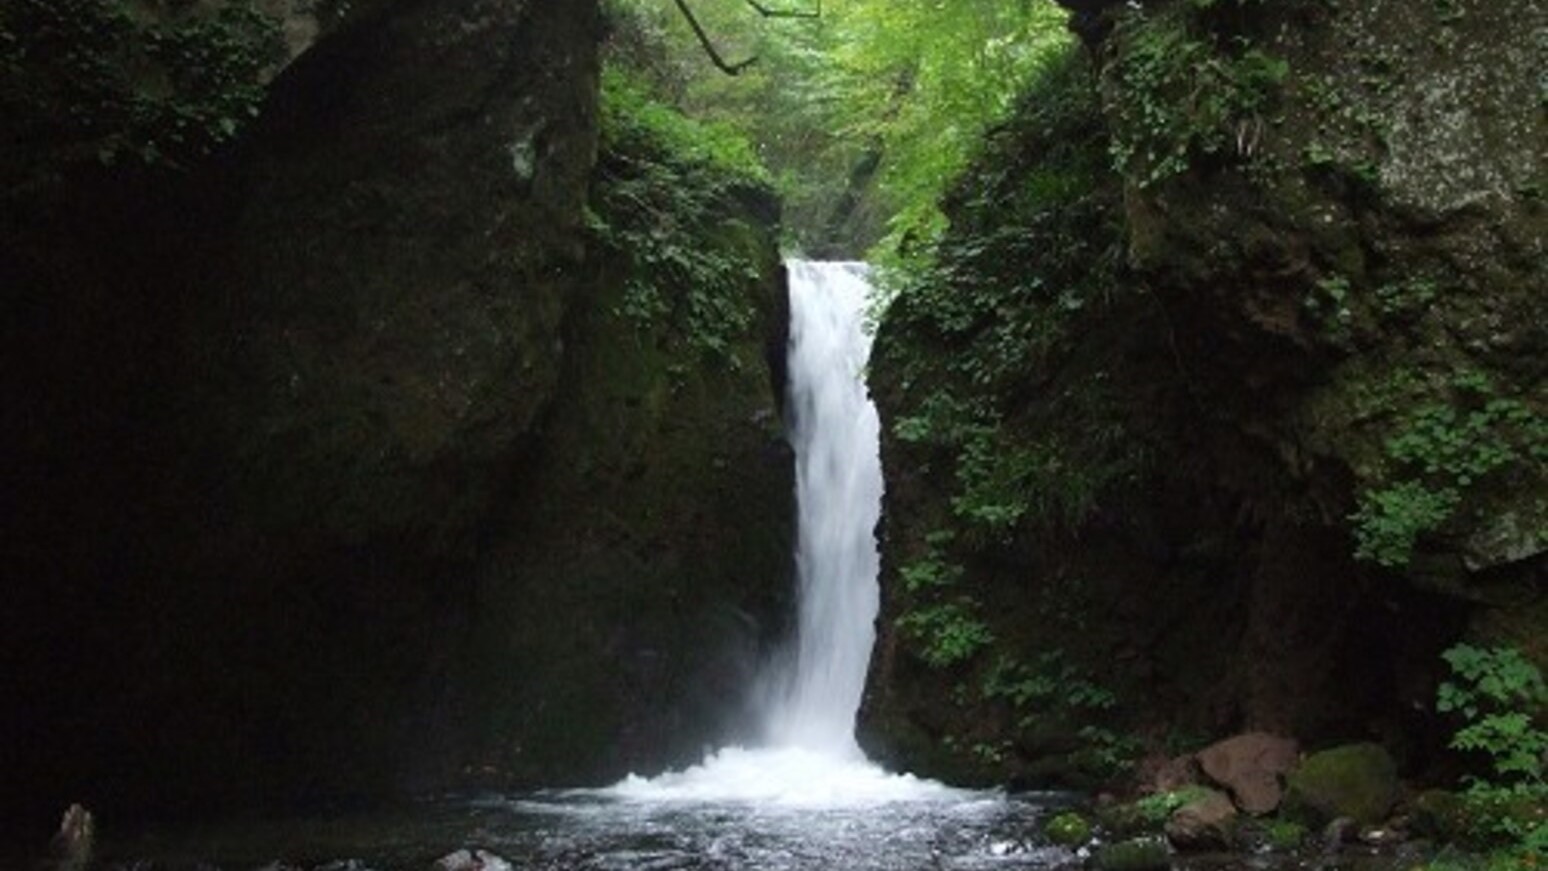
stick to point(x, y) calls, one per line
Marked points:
point(720, 63)
point(766, 12)
point(732, 69)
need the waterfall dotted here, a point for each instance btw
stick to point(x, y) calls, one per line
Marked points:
point(813, 694)
point(834, 431)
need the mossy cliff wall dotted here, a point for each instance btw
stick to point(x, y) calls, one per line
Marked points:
point(306, 434)
point(1222, 403)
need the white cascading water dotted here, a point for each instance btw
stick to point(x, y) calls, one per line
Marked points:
point(834, 430)
point(811, 758)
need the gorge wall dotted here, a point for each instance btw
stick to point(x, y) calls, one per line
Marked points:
point(1221, 405)
point(339, 469)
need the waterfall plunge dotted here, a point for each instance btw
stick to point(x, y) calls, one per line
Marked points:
point(838, 491)
point(812, 758)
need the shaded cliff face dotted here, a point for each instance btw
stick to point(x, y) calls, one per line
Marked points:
point(641, 569)
point(1259, 440)
point(288, 425)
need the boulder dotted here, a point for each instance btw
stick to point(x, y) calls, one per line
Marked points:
point(1205, 823)
point(1250, 766)
point(1358, 781)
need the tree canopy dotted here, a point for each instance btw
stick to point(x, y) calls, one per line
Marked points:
point(861, 113)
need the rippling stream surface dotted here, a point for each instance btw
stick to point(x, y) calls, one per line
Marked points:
point(604, 830)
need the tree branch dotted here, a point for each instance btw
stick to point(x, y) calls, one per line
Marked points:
point(720, 63)
point(766, 12)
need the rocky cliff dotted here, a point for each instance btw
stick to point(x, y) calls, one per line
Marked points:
point(1222, 403)
point(338, 472)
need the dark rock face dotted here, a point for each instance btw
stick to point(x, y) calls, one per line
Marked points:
point(1214, 431)
point(326, 445)
point(401, 262)
point(644, 560)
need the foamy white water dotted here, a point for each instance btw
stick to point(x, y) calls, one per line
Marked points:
point(791, 777)
point(813, 694)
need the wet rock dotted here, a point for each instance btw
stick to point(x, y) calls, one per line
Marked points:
point(70, 849)
point(1250, 766)
point(1379, 836)
point(471, 860)
point(1337, 833)
point(1358, 781)
point(1205, 823)
point(1439, 814)
point(1068, 829)
point(1136, 854)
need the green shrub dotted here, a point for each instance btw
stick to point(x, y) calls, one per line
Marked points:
point(660, 202)
point(1186, 94)
point(1440, 452)
point(95, 81)
point(1497, 693)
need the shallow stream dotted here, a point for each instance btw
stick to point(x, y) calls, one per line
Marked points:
point(602, 830)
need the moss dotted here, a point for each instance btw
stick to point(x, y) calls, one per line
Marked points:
point(1285, 835)
point(1356, 780)
point(1068, 829)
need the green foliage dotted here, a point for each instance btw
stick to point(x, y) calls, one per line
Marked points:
point(1049, 691)
point(1441, 452)
point(949, 632)
point(924, 81)
point(630, 109)
point(1497, 694)
point(875, 101)
point(1391, 519)
point(943, 623)
point(1188, 94)
point(1406, 296)
point(660, 203)
point(96, 80)
point(1033, 251)
point(1330, 304)
point(1049, 680)
point(1157, 808)
point(1285, 835)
